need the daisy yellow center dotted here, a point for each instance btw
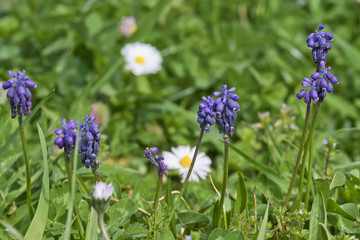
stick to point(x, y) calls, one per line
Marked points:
point(133, 29)
point(140, 60)
point(185, 161)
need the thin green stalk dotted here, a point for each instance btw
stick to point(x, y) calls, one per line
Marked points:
point(183, 187)
point(102, 226)
point(303, 166)
point(75, 208)
point(327, 158)
point(311, 155)
point(157, 195)
point(302, 143)
point(97, 175)
point(27, 164)
point(225, 179)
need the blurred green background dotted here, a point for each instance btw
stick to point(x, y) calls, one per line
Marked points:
point(258, 46)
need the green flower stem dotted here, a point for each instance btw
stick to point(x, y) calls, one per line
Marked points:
point(301, 149)
point(158, 191)
point(182, 190)
point(303, 165)
point(102, 226)
point(327, 158)
point(225, 179)
point(97, 175)
point(76, 210)
point(27, 164)
point(311, 155)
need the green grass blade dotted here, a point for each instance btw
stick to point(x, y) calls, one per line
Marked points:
point(241, 197)
point(37, 225)
point(27, 119)
point(262, 232)
point(91, 230)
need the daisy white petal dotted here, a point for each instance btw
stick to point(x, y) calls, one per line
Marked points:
point(180, 158)
point(141, 58)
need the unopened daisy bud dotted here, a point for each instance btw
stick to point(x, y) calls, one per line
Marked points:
point(101, 196)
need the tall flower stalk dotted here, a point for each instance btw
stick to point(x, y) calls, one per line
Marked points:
point(320, 83)
point(20, 103)
point(205, 119)
point(225, 108)
point(158, 162)
point(67, 139)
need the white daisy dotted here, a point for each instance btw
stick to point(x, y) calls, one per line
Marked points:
point(141, 58)
point(180, 158)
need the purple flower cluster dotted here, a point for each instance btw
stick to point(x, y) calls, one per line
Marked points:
point(89, 142)
point(18, 95)
point(156, 160)
point(320, 83)
point(320, 44)
point(67, 141)
point(206, 113)
point(226, 108)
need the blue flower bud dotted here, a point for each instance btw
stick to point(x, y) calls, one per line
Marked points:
point(30, 84)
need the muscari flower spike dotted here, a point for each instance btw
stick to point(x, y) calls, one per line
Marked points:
point(18, 93)
point(206, 113)
point(320, 83)
point(320, 44)
point(226, 108)
point(156, 160)
point(89, 142)
point(67, 141)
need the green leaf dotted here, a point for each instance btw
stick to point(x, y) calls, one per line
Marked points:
point(327, 233)
point(170, 203)
point(343, 224)
point(333, 207)
point(235, 235)
point(135, 230)
point(193, 219)
point(318, 215)
point(323, 186)
point(166, 235)
point(117, 189)
point(218, 234)
point(91, 229)
point(262, 231)
point(338, 180)
point(121, 212)
point(37, 225)
point(241, 197)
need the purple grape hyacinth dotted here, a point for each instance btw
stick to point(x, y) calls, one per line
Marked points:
point(67, 141)
point(89, 142)
point(226, 108)
point(156, 160)
point(320, 44)
point(206, 113)
point(320, 83)
point(18, 93)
